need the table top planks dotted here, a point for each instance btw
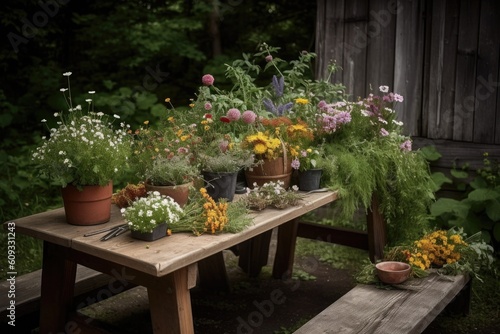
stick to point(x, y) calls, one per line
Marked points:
point(163, 256)
point(368, 309)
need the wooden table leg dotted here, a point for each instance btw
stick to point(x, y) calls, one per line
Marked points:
point(285, 250)
point(377, 231)
point(254, 253)
point(213, 273)
point(58, 282)
point(170, 305)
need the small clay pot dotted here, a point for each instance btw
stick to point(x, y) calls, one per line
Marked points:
point(393, 272)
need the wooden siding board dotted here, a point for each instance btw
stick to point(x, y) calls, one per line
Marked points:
point(487, 73)
point(409, 62)
point(381, 30)
point(465, 84)
point(442, 76)
point(330, 37)
point(355, 45)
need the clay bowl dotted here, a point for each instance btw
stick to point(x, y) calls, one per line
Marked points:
point(393, 272)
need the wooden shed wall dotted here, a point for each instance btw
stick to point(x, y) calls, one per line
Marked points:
point(442, 56)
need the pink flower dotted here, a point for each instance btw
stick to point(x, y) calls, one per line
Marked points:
point(208, 80)
point(322, 104)
point(223, 146)
point(248, 117)
point(384, 132)
point(233, 114)
point(406, 146)
point(295, 163)
point(269, 58)
point(182, 150)
point(398, 98)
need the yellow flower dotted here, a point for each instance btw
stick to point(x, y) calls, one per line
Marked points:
point(146, 122)
point(167, 100)
point(301, 101)
point(191, 105)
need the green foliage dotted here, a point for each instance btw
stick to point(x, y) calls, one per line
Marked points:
point(400, 181)
point(478, 210)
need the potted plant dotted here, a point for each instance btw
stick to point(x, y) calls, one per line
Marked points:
point(83, 154)
point(220, 161)
point(309, 167)
point(165, 162)
point(148, 217)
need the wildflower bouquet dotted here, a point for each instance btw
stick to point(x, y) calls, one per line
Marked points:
point(145, 213)
point(205, 215)
point(84, 149)
point(271, 194)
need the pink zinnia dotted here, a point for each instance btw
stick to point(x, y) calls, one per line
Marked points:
point(208, 106)
point(208, 80)
point(233, 114)
point(248, 117)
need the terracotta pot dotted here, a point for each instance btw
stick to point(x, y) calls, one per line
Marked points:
point(179, 193)
point(91, 206)
point(274, 170)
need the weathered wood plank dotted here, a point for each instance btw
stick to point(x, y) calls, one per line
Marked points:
point(465, 83)
point(381, 33)
point(442, 68)
point(367, 309)
point(329, 37)
point(409, 63)
point(487, 73)
point(355, 46)
point(28, 289)
point(459, 153)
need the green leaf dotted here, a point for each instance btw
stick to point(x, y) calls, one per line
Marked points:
point(482, 195)
point(146, 101)
point(108, 84)
point(493, 210)
point(439, 179)
point(449, 205)
point(459, 174)
point(430, 153)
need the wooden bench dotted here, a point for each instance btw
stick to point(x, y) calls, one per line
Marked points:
point(408, 309)
point(90, 286)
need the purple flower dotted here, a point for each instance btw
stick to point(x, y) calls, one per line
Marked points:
point(248, 117)
point(295, 163)
point(208, 80)
point(406, 146)
point(279, 85)
point(322, 104)
point(384, 132)
point(343, 117)
point(233, 114)
point(269, 105)
point(282, 108)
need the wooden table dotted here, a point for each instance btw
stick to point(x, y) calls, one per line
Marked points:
point(166, 267)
